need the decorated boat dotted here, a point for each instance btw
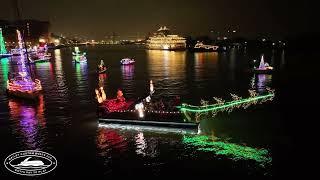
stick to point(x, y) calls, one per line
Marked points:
point(169, 112)
point(3, 50)
point(264, 68)
point(39, 58)
point(23, 86)
point(143, 111)
point(77, 52)
point(201, 47)
point(80, 59)
point(127, 61)
point(101, 67)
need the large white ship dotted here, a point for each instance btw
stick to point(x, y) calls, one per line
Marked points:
point(163, 40)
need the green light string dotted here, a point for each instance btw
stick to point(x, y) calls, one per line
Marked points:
point(233, 151)
point(196, 113)
point(214, 107)
point(2, 44)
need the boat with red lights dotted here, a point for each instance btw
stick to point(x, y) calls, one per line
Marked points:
point(23, 86)
point(127, 61)
point(146, 111)
point(101, 68)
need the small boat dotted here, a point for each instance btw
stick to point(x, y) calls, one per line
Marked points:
point(264, 68)
point(39, 59)
point(127, 61)
point(102, 68)
point(21, 85)
point(77, 52)
point(200, 47)
point(80, 59)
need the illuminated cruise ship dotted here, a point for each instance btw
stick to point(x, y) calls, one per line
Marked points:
point(163, 40)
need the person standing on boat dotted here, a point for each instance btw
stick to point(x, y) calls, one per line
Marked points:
point(120, 97)
point(101, 66)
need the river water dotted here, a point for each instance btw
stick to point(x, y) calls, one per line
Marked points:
point(64, 123)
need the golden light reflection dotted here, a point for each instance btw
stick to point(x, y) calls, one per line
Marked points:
point(204, 60)
point(166, 63)
point(58, 62)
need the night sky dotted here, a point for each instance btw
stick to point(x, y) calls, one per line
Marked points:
point(129, 18)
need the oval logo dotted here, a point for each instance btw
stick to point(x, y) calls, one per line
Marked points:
point(30, 162)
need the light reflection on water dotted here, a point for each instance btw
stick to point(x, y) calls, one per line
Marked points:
point(29, 122)
point(68, 98)
point(142, 140)
point(168, 70)
point(260, 82)
point(4, 71)
point(128, 79)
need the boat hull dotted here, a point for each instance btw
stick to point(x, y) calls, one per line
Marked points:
point(125, 64)
point(169, 49)
point(130, 116)
point(5, 55)
point(83, 61)
point(158, 123)
point(41, 60)
point(202, 50)
point(262, 71)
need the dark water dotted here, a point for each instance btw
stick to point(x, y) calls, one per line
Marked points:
point(64, 123)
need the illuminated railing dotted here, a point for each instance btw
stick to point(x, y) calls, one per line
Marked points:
point(28, 87)
point(222, 106)
point(150, 111)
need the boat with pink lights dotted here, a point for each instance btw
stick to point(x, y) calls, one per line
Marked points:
point(264, 68)
point(23, 86)
point(127, 61)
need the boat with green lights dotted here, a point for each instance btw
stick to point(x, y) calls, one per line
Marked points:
point(77, 52)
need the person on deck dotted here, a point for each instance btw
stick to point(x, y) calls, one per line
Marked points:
point(120, 97)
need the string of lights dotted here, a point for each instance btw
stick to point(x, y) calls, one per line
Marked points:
point(231, 150)
point(222, 106)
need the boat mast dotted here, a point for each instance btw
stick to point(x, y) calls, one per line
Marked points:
point(18, 13)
